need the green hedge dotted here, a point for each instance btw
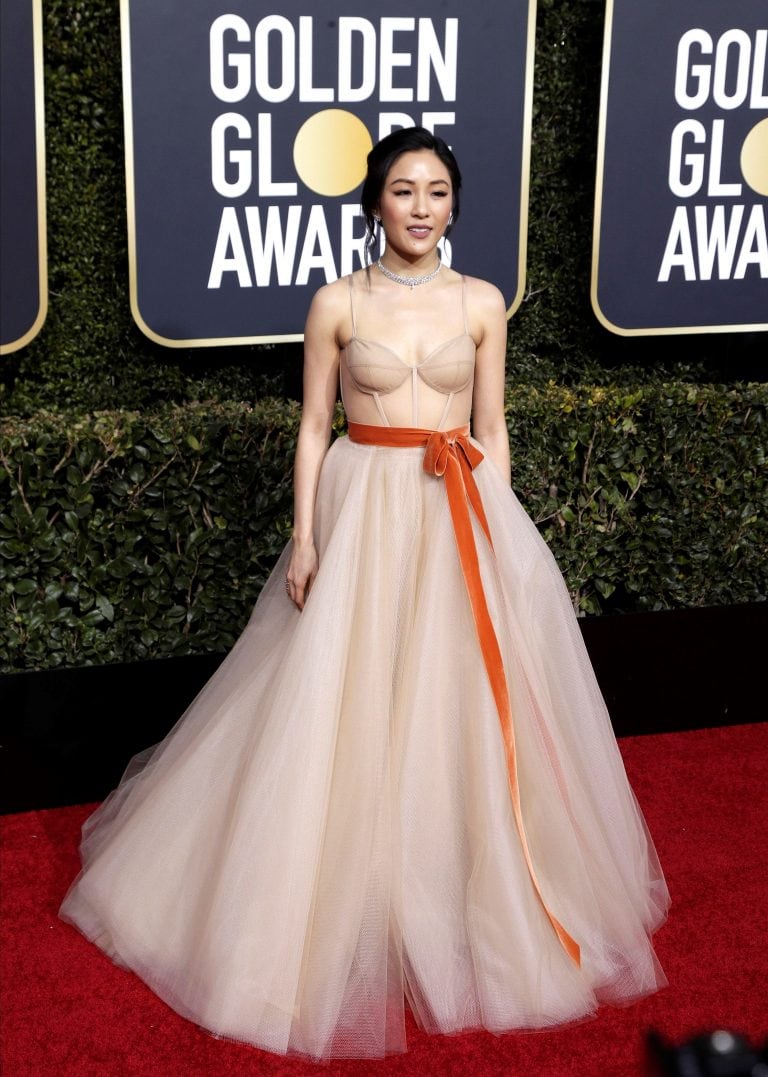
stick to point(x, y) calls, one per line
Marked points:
point(129, 535)
point(651, 498)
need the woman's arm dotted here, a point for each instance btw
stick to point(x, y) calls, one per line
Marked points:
point(321, 367)
point(489, 425)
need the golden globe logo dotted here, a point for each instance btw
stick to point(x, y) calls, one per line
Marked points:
point(247, 131)
point(403, 61)
point(724, 233)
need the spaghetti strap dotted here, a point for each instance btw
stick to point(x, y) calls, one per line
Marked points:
point(352, 305)
point(464, 303)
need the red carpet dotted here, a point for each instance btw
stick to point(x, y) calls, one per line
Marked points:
point(68, 1011)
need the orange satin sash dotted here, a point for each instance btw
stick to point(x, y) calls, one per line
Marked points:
point(449, 454)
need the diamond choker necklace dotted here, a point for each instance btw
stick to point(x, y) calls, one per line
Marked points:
point(410, 282)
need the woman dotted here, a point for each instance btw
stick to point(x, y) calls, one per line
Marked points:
point(402, 784)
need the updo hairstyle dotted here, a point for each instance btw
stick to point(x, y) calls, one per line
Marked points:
point(381, 159)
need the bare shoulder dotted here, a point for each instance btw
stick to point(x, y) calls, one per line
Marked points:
point(485, 297)
point(330, 298)
point(329, 309)
point(486, 310)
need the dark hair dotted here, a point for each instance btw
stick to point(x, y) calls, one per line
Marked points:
point(380, 161)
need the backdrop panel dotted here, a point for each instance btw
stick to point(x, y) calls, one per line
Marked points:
point(23, 271)
point(682, 181)
point(246, 135)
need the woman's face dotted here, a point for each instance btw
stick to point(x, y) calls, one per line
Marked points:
point(415, 203)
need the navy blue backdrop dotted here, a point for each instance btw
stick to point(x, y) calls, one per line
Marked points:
point(23, 295)
point(464, 69)
point(682, 194)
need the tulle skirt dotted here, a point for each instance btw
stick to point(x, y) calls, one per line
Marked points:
point(326, 835)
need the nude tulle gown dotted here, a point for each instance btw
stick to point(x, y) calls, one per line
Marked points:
point(326, 835)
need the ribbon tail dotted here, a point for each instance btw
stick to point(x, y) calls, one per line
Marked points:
point(458, 495)
point(472, 492)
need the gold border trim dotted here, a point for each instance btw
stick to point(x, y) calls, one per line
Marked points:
point(42, 228)
point(130, 193)
point(674, 330)
point(525, 163)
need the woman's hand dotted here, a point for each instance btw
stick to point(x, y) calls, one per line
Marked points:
point(302, 569)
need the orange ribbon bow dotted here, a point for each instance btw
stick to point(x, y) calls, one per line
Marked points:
point(450, 455)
